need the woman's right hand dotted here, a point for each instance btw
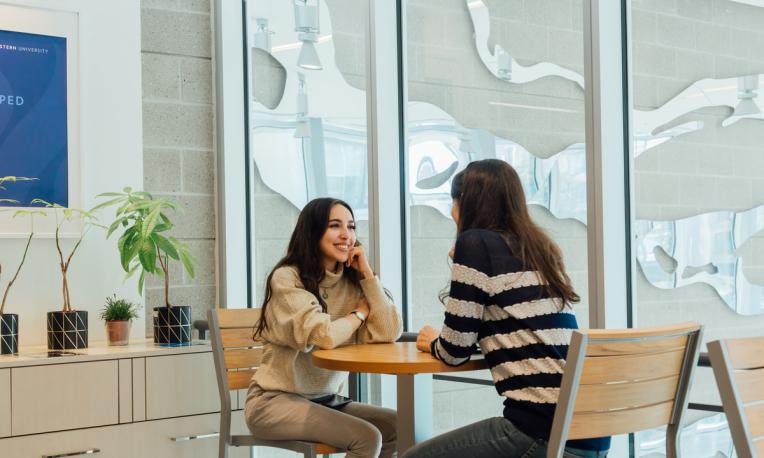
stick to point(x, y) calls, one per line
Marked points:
point(426, 335)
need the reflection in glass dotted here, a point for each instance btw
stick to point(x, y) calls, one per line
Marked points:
point(312, 141)
point(698, 439)
point(703, 249)
point(310, 138)
point(500, 62)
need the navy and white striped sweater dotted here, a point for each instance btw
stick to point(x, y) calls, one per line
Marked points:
point(496, 302)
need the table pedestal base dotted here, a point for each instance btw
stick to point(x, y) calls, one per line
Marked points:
point(414, 408)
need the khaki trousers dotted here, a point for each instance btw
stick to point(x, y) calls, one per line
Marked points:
point(364, 430)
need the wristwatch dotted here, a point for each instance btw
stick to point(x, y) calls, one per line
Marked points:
point(361, 316)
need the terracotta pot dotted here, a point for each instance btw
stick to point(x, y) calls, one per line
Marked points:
point(118, 332)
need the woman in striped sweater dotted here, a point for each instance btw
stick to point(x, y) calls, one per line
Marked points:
point(510, 296)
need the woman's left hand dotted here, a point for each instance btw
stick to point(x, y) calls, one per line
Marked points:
point(358, 261)
point(426, 335)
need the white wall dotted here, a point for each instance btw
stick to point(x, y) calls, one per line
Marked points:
point(110, 134)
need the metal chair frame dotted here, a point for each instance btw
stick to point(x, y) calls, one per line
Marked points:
point(308, 449)
point(574, 368)
point(726, 373)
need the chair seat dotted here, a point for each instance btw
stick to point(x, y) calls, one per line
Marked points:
point(297, 446)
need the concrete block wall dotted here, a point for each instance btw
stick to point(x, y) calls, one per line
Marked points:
point(178, 139)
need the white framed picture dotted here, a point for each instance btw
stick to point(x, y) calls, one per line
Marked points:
point(39, 116)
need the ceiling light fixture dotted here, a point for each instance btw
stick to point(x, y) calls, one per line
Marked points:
point(747, 86)
point(307, 25)
point(262, 36)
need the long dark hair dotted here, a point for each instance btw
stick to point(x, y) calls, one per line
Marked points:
point(490, 196)
point(304, 254)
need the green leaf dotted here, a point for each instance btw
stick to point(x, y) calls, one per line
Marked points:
point(114, 226)
point(110, 194)
point(188, 261)
point(150, 222)
point(148, 256)
point(140, 281)
point(131, 246)
point(165, 245)
point(108, 203)
point(132, 270)
point(122, 208)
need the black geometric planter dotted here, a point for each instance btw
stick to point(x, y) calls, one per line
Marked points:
point(67, 330)
point(9, 334)
point(172, 325)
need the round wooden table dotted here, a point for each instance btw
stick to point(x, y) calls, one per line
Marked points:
point(403, 360)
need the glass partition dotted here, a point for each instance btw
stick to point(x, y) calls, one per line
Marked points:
point(490, 79)
point(307, 116)
point(698, 131)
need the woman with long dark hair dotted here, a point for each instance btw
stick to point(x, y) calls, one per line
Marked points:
point(510, 295)
point(322, 294)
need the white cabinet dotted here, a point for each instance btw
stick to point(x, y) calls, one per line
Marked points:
point(180, 385)
point(128, 402)
point(185, 437)
point(64, 396)
point(110, 442)
point(5, 402)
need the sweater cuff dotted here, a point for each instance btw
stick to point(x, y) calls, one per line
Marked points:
point(433, 350)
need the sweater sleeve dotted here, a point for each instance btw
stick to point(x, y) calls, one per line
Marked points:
point(468, 296)
point(384, 323)
point(295, 318)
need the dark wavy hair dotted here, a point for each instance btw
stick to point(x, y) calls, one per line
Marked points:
point(490, 196)
point(304, 254)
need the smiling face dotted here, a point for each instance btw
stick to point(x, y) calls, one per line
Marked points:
point(339, 237)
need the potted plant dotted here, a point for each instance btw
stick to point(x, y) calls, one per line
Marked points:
point(9, 322)
point(146, 247)
point(118, 314)
point(68, 329)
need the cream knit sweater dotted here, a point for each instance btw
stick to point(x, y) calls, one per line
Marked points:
point(296, 325)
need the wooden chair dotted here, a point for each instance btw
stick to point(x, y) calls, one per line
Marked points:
point(622, 381)
point(237, 357)
point(738, 366)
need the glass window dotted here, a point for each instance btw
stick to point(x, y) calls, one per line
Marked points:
point(307, 116)
point(697, 70)
point(491, 79)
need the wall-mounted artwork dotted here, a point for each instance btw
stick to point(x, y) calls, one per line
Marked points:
point(33, 129)
point(39, 112)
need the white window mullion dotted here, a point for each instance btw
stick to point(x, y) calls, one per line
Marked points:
point(231, 134)
point(608, 173)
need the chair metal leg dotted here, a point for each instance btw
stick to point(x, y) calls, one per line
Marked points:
point(222, 448)
point(672, 441)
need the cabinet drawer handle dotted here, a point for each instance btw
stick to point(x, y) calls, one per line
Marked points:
point(92, 451)
point(197, 436)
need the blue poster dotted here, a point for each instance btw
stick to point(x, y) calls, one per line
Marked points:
point(33, 129)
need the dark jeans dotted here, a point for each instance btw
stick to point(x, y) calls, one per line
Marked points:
point(493, 437)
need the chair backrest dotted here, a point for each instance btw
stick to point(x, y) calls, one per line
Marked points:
point(622, 381)
point(237, 355)
point(738, 366)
